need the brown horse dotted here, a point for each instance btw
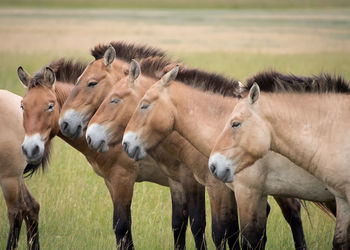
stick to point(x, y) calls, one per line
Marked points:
point(106, 128)
point(93, 86)
point(20, 203)
point(191, 108)
point(309, 128)
point(42, 105)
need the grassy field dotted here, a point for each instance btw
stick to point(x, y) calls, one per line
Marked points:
point(76, 210)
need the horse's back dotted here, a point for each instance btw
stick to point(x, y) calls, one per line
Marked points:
point(12, 162)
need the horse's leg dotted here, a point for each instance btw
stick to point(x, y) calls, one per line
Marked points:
point(12, 193)
point(195, 197)
point(253, 211)
point(224, 217)
point(121, 189)
point(291, 211)
point(31, 217)
point(342, 228)
point(179, 214)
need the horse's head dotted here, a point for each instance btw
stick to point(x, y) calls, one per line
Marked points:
point(89, 92)
point(107, 126)
point(246, 138)
point(153, 119)
point(40, 113)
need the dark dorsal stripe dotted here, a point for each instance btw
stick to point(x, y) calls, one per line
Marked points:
point(66, 70)
point(273, 81)
point(126, 51)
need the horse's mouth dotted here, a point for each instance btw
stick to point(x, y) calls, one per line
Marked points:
point(36, 161)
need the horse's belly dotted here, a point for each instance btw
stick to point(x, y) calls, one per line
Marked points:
point(286, 179)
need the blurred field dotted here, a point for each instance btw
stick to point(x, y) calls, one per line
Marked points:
point(76, 210)
point(180, 4)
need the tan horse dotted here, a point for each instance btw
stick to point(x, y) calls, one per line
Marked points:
point(20, 203)
point(89, 92)
point(309, 128)
point(192, 108)
point(106, 129)
point(42, 105)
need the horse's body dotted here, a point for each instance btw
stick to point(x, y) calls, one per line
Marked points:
point(106, 128)
point(119, 172)
point(198, 115)
point(20, 203)
point(310, 129)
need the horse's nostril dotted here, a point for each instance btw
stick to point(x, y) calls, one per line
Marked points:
point(212, 167)
point(65, 125)
point(88, 138)
point(125, 146)
point(136, 153)
point(24, 150)
point(35, 150)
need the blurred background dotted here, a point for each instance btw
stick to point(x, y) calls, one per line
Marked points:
point(236, 38)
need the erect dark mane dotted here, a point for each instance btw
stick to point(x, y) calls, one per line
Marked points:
point(206, 81)
point(126, 51)
point(66, 70)
point(273, 81)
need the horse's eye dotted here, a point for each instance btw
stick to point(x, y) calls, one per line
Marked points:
point(22, 107)
point(51, 107)
point(236, 125)
point(115, 101)
point(144, 106)
point(92, 84)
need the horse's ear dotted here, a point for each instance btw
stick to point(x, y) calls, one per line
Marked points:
point(23, 76)
point(49, 77)
point(109, 55)
point(170, 76)
point(135, 70)
point(254, 93)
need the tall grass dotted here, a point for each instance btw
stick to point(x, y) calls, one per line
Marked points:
point(76, 209)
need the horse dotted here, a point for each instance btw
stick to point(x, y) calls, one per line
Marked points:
point(106, 128)
point(93, 85)
point(43, 103)
point(310, 129)
point(21, 205)
point(195, 106)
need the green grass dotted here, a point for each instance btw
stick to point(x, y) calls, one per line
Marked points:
point(76, 209)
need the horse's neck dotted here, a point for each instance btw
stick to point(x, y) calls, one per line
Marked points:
point(305, 128)
point(200, 116)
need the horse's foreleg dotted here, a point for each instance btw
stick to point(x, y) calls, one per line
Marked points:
point(291, 211)
point(12, 193)
point(179, 214)
point(253, 211)
point(121, 188)
point(195, 197)
point(31, 217)
point(342, 228)
point(224, 217)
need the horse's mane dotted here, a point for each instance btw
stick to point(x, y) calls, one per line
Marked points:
point(196, 78)
point(273, 81)
point(126, 51)
point(66, 70)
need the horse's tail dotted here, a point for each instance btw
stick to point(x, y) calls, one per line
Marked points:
point(327, 207)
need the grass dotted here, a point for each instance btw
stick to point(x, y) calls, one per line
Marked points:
point(76, 210)
point(180, 4)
